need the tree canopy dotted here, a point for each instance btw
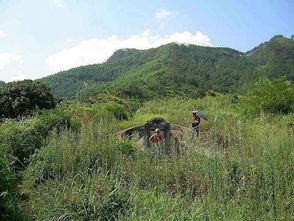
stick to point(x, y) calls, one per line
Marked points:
point(20, 98)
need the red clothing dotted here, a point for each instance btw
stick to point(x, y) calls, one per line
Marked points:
point(155, 138)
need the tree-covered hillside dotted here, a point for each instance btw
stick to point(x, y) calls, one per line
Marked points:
point(174, 69)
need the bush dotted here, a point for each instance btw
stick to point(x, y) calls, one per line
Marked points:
point(117, 110)
point(49, 119)
point(126, 147)
point(22, 138)
point(276, 96)
point(21, 98)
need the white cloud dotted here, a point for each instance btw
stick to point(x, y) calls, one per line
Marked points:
point(162, 14)
point(58, 3)
point(19, 76)
point(99, 50)
point(3, 34)
point(8, 59)
point(11, 67)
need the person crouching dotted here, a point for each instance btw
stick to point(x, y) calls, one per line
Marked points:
point(156, 137)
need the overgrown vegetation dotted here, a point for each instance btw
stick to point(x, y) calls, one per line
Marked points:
point(240, 168)
point(274, 97)
point(22, 138)
point(9, 197)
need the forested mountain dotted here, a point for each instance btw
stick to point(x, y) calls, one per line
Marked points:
point(174, 69)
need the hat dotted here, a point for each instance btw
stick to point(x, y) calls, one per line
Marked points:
point(157, 130)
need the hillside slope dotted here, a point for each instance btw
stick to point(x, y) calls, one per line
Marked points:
point(174, 69)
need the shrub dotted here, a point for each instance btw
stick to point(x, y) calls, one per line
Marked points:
point(117, 110)
point(274, 96)
point(49, 119)
point(126, 147)
point(22, 138)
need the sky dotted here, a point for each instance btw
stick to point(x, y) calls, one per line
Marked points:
point(42, 37)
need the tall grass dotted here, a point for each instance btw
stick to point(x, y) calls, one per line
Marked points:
point(239, 168)
point(9, 196)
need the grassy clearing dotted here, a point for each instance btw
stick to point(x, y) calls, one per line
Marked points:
point(240, 168)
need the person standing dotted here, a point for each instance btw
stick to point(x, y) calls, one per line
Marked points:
point(196, 123)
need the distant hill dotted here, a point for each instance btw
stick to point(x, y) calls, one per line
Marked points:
point(2, 83)
point(122, 53)
point(173, 69)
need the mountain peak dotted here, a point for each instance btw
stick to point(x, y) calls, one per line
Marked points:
point(277, 37)
point(278, 45)
point(122, 53)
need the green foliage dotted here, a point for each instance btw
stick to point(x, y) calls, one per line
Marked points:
point(127, 147)
point(49, 119)
point(21, 139)
point(2, 83)
point(241, 169)
point(21, 98)
point(24, 137)
point(9, 208)
point(122, 53)
point(176, 70)
point(65, 163)
point(118, 111)
point(82, 197)
point(130, 105)
point(89, 149)
point(276, 96)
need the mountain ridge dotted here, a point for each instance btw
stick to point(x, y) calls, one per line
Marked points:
point(163, 68)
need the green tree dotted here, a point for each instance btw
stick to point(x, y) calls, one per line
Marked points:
point(20, 98)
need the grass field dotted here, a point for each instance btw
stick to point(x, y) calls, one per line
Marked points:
point(92, 175)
